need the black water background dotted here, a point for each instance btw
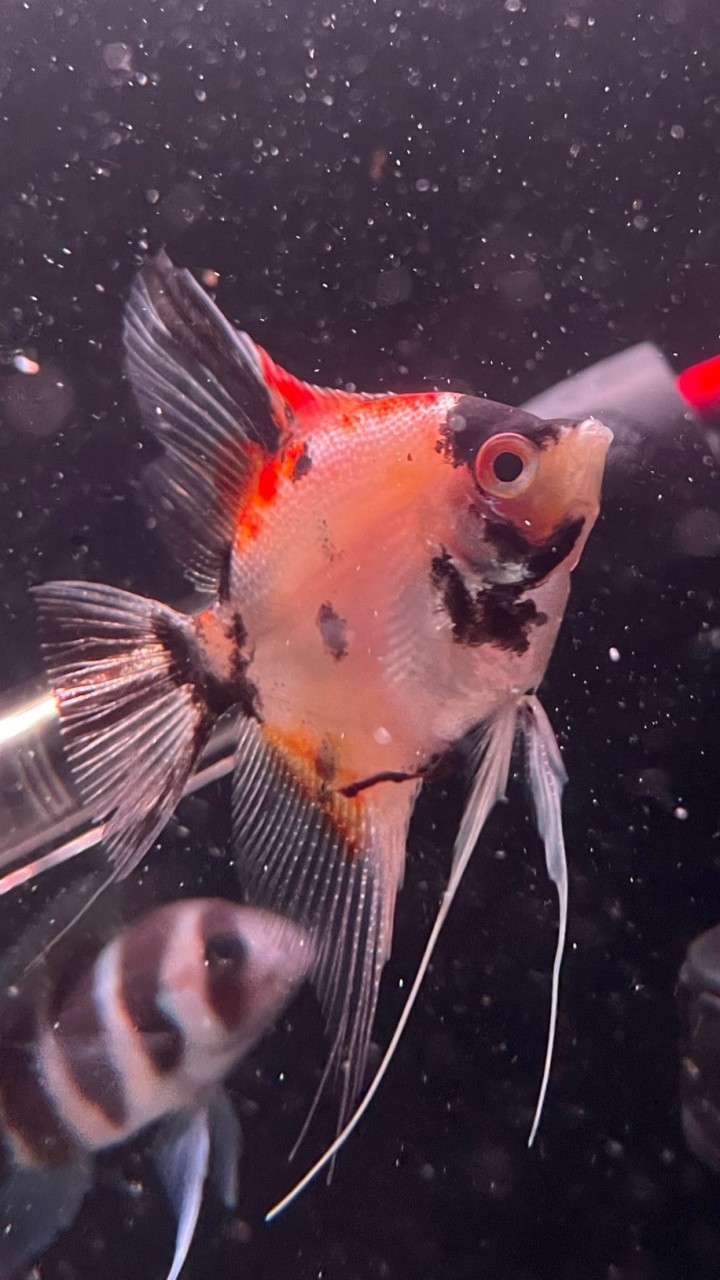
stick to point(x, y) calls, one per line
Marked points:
point(399, 195)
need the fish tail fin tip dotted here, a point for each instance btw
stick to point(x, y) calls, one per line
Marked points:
point(124, 674)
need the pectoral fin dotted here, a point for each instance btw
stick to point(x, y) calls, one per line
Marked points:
point(547, 779)
point(182, 1154)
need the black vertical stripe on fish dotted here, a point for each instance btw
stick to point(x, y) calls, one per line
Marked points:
point(538, 561)
point(215, 690)
point(140, 959)
point(226, 959)
point(494, 615)
point(27, 1109)
point(81, 1035)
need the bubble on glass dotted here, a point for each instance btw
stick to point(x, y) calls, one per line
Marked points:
point(118, 56)
point(183, 205)
point(393, 286)
point(38, 405)
point(698, 532)
point(520, 289)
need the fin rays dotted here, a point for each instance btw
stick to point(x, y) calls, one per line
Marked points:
point(546, 777)
point(322, 862)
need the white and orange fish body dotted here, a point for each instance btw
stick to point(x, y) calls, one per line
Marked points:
point(145, 1034)
point(388, 572)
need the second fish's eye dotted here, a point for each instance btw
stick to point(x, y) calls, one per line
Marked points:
point(225, 951)
point(506, 465)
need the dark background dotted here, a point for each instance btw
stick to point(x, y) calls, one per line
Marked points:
point(402, 195)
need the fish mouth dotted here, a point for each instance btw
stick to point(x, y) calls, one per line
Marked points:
point(592, 429)
point(583, 456)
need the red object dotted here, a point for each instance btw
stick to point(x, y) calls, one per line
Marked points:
point(700, 385)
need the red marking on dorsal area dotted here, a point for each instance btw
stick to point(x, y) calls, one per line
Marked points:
point(300, 406)
point(700, 385)
point(270, 476)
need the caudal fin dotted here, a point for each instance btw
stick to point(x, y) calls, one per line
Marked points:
point(122, 670)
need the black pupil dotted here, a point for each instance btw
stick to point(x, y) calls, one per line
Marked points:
point(507, 466)
point(225, 951)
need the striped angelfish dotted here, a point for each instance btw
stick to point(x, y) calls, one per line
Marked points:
point(146, 1033)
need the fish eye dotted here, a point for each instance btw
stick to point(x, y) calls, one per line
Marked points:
point(506, 465)
point(225, 952)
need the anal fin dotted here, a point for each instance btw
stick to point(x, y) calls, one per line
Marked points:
point(331, 863)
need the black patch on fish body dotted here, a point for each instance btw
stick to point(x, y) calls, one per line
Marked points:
point(473, 421)
point(303, 464)
point(387, 775)
point(492, 616)
point(140, 965)
point(189, 667)
point(27, 1109)
point(538, 562)
point(333, 630)
point(82, 1038)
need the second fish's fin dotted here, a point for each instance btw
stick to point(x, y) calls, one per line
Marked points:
point(188, 1146)
point(123, 673)
point(182, 1159)
point(36, 1206)
point(331, 863)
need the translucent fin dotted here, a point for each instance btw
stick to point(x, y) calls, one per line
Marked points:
point(182, 1154)
point(547, 779)
point(226, 1146)
point(36, 1206)
point(197, 382)
point(488, 787)
point(132, 721)
point(218, 405)
point(332, 864)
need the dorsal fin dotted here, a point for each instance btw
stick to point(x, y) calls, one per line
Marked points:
point(219, 406)
point(299, 406)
